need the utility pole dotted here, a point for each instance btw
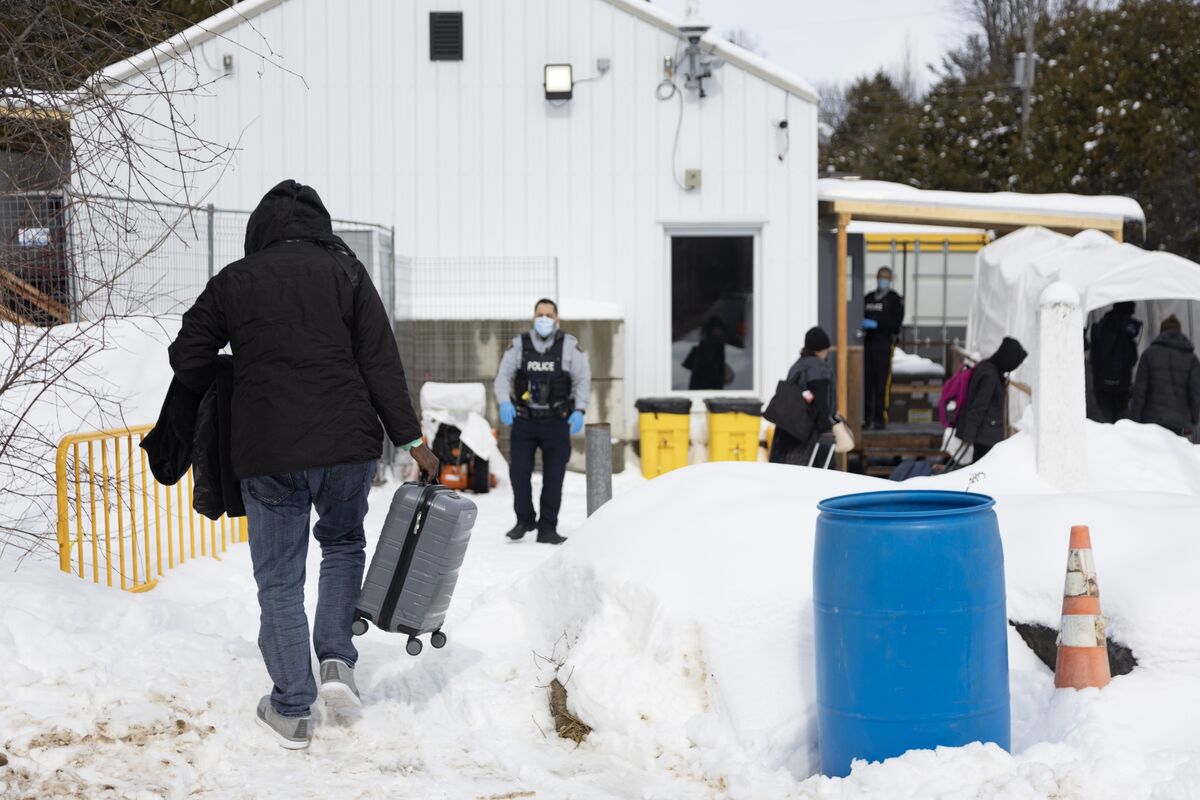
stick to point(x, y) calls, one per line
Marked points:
point(1028, 65)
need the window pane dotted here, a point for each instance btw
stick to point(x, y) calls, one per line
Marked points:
point(712, 312)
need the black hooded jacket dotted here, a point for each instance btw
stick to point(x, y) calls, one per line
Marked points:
point(982, 420)
point(1114, 348)
point(194, 432)
point(316, 367)
point(1166, 390)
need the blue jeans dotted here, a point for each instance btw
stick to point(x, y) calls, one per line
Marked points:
point(278, 509)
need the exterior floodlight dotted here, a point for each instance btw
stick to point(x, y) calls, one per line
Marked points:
point(558, 82)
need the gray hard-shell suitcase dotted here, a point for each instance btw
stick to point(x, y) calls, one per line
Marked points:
point(415, 567)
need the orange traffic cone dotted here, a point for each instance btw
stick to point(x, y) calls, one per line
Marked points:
point(1082, 642)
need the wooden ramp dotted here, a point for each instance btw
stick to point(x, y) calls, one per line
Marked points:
point(882, 450)
point(23, 303)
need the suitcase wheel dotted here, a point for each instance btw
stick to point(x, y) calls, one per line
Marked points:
point(438, 639)
point(358, 627)
point(414, 646)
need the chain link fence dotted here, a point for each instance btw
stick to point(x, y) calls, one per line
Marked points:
point(115, 256)
point(464, 313)
point(102, 256)
point(35, 282)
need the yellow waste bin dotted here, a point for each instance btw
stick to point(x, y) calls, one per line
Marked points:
point(734, 424)
point(664, 425)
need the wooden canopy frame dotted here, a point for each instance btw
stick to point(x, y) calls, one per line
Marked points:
point(841, 213)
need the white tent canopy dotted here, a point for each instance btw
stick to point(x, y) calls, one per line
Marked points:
point(1011, 273)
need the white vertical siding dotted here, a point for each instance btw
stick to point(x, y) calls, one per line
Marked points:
point(468, 159)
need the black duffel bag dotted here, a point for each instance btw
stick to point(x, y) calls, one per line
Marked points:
point(790, 412)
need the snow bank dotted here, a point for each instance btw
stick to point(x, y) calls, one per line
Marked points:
point(114, 374)
point(709, 568)
point(913, 366)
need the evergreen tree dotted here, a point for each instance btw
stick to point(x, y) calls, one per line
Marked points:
point(875, 135)
point(1116, 111)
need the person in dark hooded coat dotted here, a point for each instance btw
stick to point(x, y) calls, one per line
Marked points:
point(1166, 390)
point(812, 373)
point(317, 380)
point(1112, 357)
point(982, 420)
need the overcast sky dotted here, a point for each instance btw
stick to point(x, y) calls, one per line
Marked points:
point(823, 41)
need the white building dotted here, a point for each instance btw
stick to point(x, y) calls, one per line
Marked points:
point(661, 206)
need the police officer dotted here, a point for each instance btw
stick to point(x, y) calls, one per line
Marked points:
point(883, 314)
point(543, 388)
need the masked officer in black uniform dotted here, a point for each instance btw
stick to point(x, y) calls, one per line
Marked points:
point(883, 314)
point(542, 387)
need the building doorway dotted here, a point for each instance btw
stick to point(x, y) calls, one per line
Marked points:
point(712, 313)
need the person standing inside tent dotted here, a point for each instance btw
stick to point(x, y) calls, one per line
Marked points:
point(542, 387)
point(1091, 404)
point(1166, 391)
point(883, 314)
point(1114, 355)
point(981, 421)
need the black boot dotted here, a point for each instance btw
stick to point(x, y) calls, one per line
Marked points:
point(518, 531)
point(551, 538)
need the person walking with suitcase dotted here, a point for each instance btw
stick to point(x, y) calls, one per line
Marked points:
point(1166, 391)
point(543, 387)
point(883, 315)
point(316, 372)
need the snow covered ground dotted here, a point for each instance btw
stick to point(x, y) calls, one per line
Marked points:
point(680, 619)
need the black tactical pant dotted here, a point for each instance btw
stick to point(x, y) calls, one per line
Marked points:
point(553, 436)
point(877, 378)
point(1114, 403)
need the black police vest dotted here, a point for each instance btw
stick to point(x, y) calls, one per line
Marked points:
point(542, 379)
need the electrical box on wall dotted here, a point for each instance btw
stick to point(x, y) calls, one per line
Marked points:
point(691, 179)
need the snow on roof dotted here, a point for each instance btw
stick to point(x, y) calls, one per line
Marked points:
point(901, 228)
point(219, 23)
point(185, 40)
point(751, 62)
point(1100, 206)
point(17, 102)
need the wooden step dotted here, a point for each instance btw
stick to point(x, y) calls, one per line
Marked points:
point(16, 293)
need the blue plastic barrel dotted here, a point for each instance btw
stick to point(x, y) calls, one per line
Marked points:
point(911, 634)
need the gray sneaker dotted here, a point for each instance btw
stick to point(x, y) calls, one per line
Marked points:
point(293, 733)
point(337, 685)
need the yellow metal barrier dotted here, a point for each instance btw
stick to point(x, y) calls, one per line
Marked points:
point(109, 500)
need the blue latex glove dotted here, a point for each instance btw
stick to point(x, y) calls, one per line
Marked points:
point(508, 413)
point(870, 324)
point(576, 420)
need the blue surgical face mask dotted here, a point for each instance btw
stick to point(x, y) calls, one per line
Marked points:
point(544, 326)
point(885, 284)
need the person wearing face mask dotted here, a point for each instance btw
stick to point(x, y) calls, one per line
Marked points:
point(883, 314)
point(543, 387)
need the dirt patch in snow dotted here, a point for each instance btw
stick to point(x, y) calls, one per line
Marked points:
point(566, 724)
point(1043, 641)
